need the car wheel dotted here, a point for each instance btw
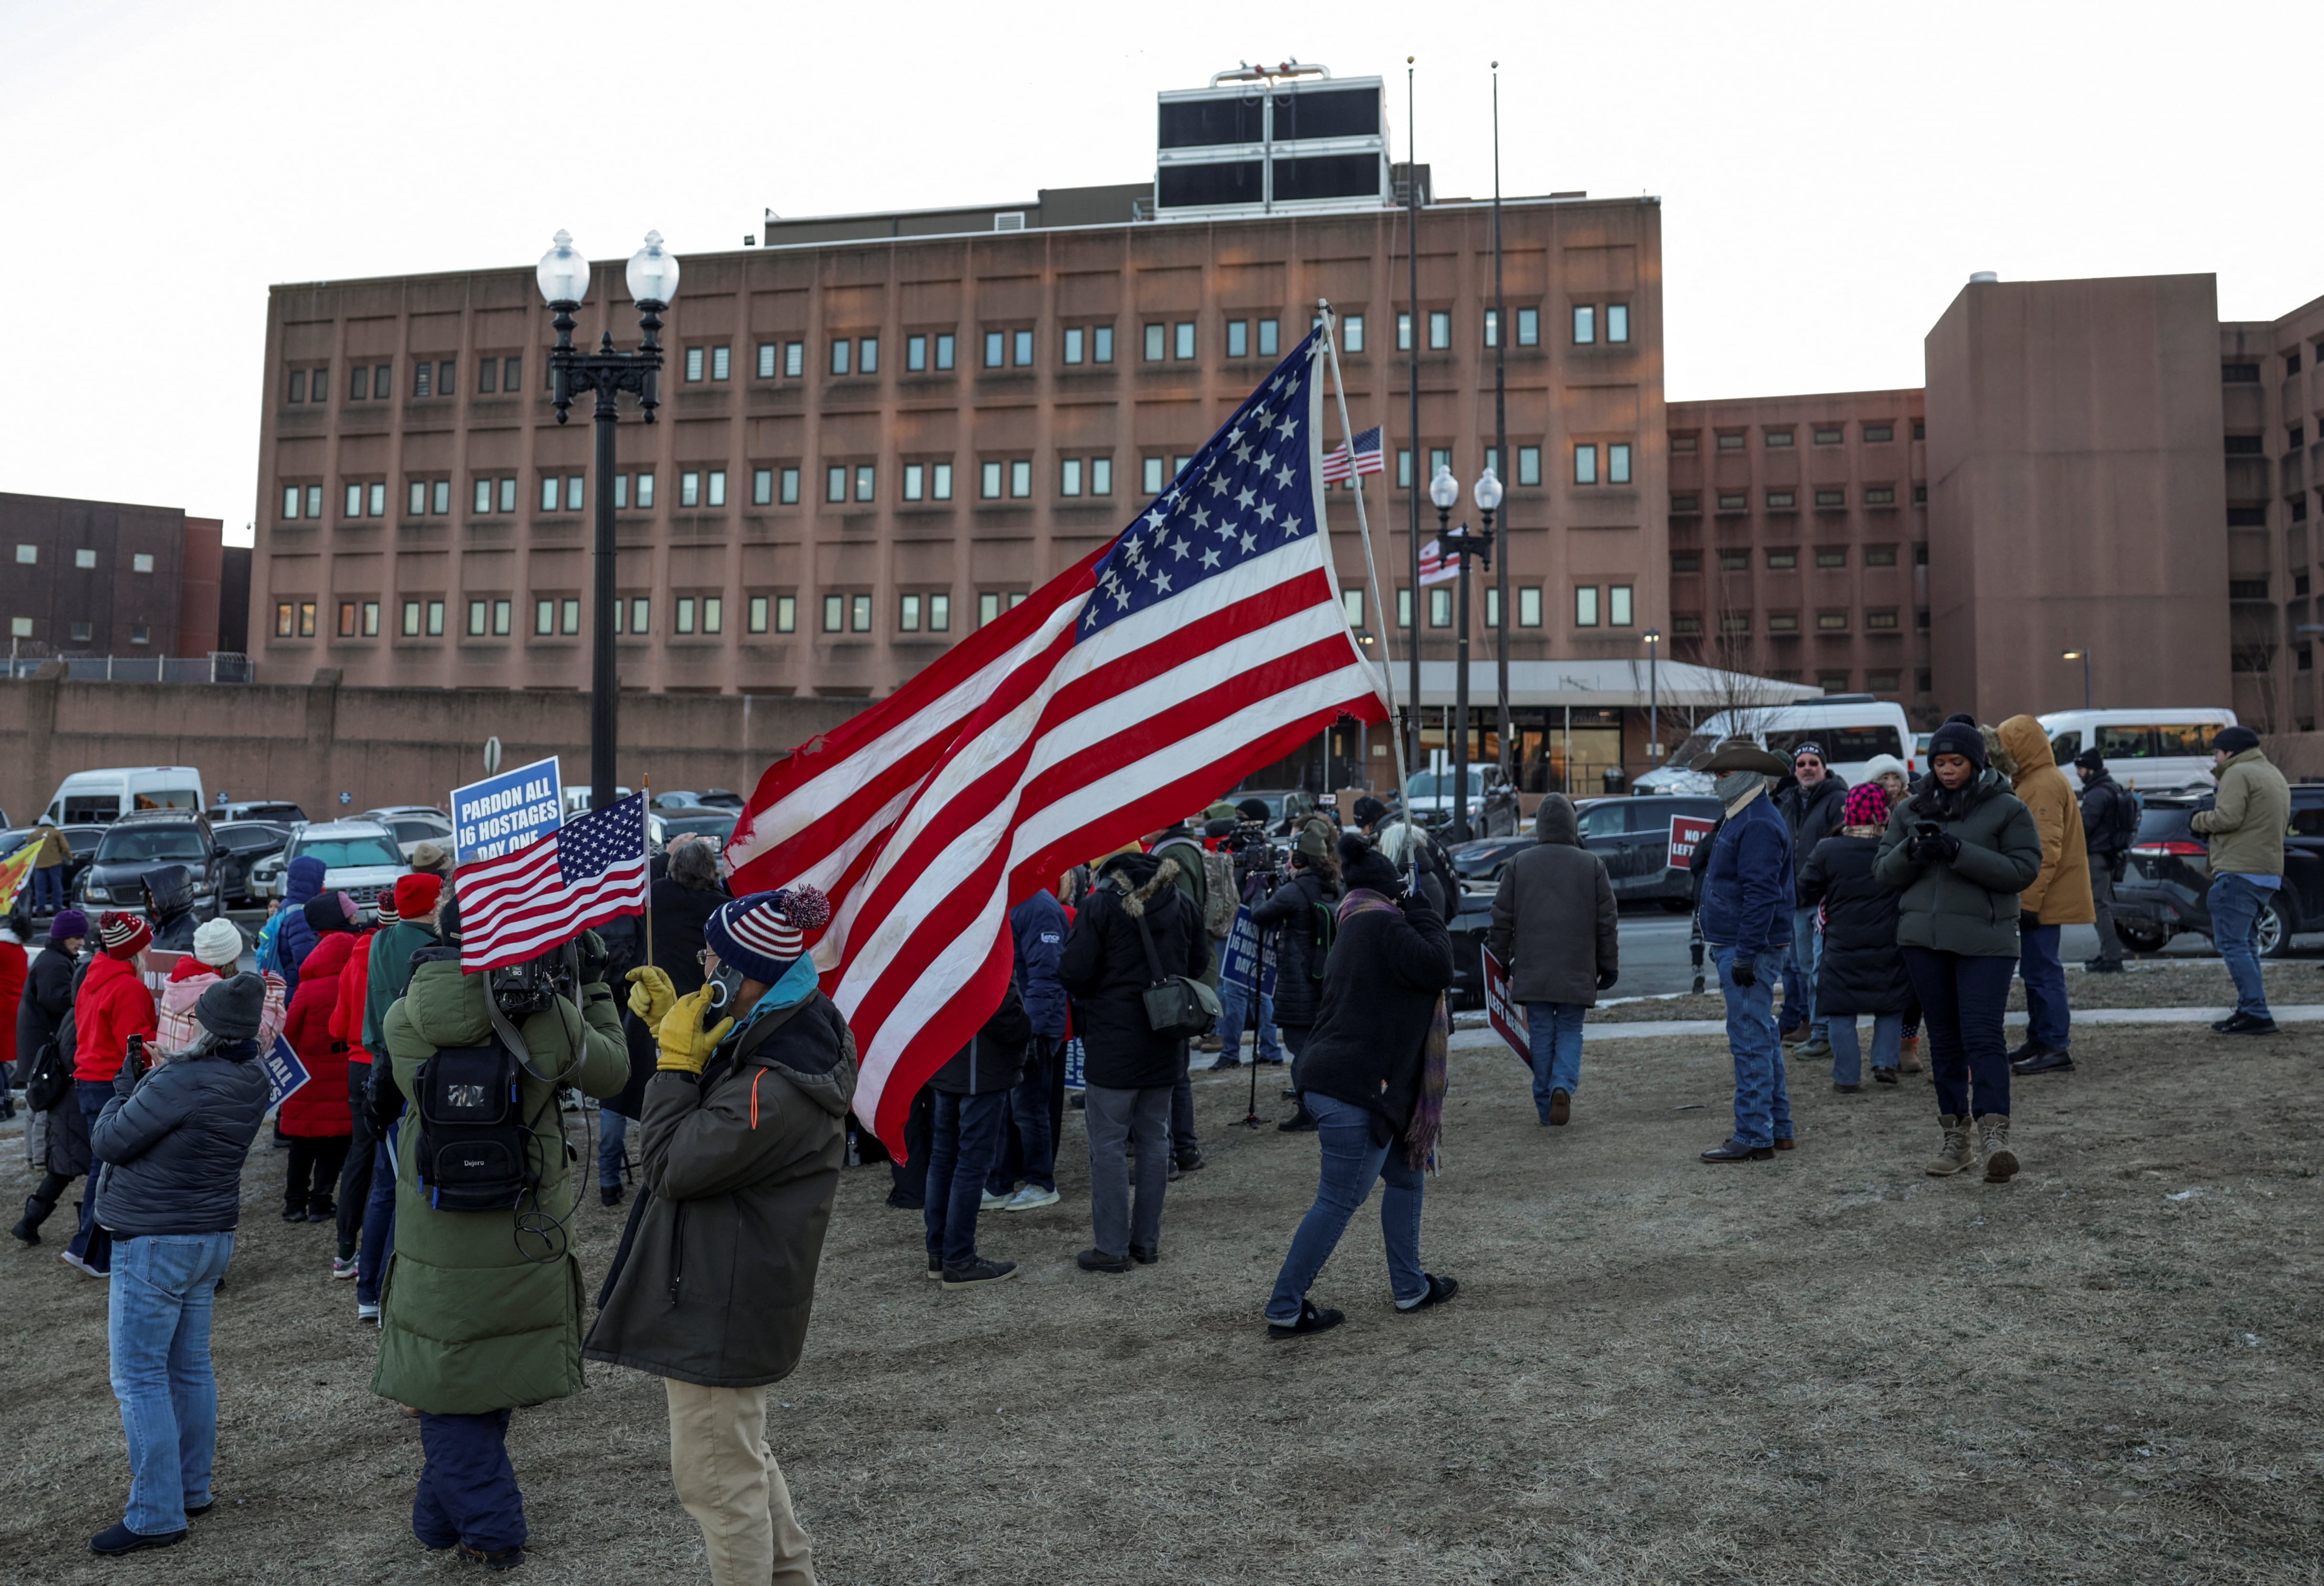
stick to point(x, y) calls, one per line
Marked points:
point(2140, 936)
point(2272, 939)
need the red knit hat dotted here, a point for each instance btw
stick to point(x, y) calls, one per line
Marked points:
point(123, 935)
point(416, 894)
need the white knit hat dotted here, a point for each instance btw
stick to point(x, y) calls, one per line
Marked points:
point(219, 944)
point(1880, 765)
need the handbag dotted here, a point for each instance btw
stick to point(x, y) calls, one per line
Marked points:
point(1175, 1004)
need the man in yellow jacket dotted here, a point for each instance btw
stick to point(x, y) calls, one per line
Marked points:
point(2059, 895)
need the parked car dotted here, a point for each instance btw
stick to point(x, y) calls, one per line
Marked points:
point(1479, 860)
point(98, 798)
point(1469, 929)
point(1283, 805)
point(279, 811)
point(148, 840)
point(1633, 836)
point(2165, 891)
point(360, 858)
point(677, 798)
point(412, 824)
point(246, 842)
point(718, 824)
point(720, 799)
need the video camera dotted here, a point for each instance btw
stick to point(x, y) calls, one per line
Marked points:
point(534, 986)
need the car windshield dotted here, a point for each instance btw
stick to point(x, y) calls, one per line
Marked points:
point(1839, 744)
point(2160, 823)
point(1439, 784)
point(122, 844)
point(256, 836)
point(346, 853)
point(720, 826)
point(1694, 747)
point(417, 831)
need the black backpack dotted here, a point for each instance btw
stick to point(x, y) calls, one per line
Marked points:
point(475, 1146)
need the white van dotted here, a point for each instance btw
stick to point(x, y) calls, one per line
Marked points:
point(1852, 727)
point(101, 797)
point(2147, 751)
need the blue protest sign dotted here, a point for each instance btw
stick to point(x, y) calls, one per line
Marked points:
point(1239, 959)
point(510, 810)
point(284, 1072)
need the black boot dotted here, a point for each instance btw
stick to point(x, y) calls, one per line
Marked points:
point(36, 1212)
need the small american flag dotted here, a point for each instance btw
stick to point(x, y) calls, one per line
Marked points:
point(543, 895)
point(1367, 457)
point(1435, 568)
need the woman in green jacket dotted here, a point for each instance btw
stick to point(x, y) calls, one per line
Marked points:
point(481, 1310)
point(1961, 849)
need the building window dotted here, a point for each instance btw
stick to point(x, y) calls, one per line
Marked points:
point(914, 481)
point(1403, 607)
point(1268, 338)
point(1832, 682)
point(766, 360)
point(1831, 556)
point(423, 379)
point(1782, 558)
point(1879, 495)
point(573, 493)
point(85, 558)
point(479, 613)
point(1101, 343)
point(685, 613)
point(1440, 608)
point(1529, 464)
point(835, 483)
point(83, 631)
point(1529, 606)
point(1020, 477)
point(1617, 322)
point(916, 354)
point(789, 493)
point(721, 362)
point(1352, 333)
point(1777, 439)
point(1101, 476)
point(1150, 474)
point(794, 359)
point(1618, 605)
point(1920, 430)
point(548, 493)
point(1831, 622)
point(717, 487)
point(141, 561)
point(940, 481)
point(1585, 606)
point(1404, 336)
point(1876, 433)
point(1069, 476)
point(1440, 329)
point(379, 379)
point(569, 611)
point(763, 487)
point(1883, 620)
point(1879, 556)
point(786, 614)
point(1618, 463)
point(988, 482)
point(988, 608)
point(412, 619)
point(298, 385)
point(1352, 607)
point(1528, 327)
point(2247, 589)
point(1585, 464)
point(859, 613)
point(1783, 621)
point(1157, 336)
point(544, 617)
point(1782, 501)
point(1492, 606)
point(995, 344)
point(1734, 561)
point(290, 501)
point(1021, 345)
point(940, 612)
point(2246, 517)
point(1830, 436)
point(692, 363)
point(1832, 498)
point(842, 352)
point(359, 383)
point(1686, 503)
point(1585, 324)
point(1687, 624)
point(417, 497)
point(642, 614)
point(866, 478)
point(376, 498)
point(689, 488)
point(1237, 338)
point(867, 356)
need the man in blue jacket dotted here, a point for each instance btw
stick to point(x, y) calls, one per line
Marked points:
point(1039, 925)
point(1747, 922)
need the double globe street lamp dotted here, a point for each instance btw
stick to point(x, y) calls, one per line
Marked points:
point(1468, 544)
point(564, 277)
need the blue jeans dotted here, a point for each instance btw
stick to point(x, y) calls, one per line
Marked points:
point(379, 1221)
point(2236, 906)
point(1762, 1106)
point(961, 1148)
point(1235, 1005)
point(2046, 1010)
point(49, 888)
point(1351, 1162)
point(1963, 1000)
point(1554, 1030)
point(1028, 1106)
point(1847, 1055)
point(91, 1243)
point(1800, 986)
point(467, 1487)
point(612, 1146)
point(158, 1326)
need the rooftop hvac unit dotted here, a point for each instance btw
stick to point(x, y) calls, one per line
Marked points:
point(1288, 139)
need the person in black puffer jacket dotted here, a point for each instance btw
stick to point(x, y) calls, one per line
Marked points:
point(1128, 1068)
point(172, 1140)
point(1861, 968)
point(1296, 917)
point(1372, 1074)
point(170, 905)
point(56, 1139)
point(1810, 803)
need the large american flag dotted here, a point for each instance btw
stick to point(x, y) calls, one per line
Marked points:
point(542, 895)
point(1205, 642)
point(1367, 457)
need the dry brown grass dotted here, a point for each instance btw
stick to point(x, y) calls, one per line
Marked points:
point(1830, 1369)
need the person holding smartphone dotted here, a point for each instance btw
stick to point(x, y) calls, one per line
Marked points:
point(1960, 850)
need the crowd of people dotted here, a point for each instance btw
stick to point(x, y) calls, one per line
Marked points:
point(431, 1129)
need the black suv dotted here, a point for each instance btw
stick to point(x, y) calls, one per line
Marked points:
point(2165, 889)
point(147, 841)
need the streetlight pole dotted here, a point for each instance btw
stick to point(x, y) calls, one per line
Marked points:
point(1412, 493)
point(1653, 637)
point(1500, 455)
point(653, 279)
point(2083, 656)
point(1467, 544)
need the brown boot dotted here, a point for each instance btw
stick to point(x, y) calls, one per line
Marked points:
point(1958, 1152)
point(1993, 1136)
point(1908, 1060)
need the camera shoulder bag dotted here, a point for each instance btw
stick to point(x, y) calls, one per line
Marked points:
point(1175, 1004)
point(475, 1150)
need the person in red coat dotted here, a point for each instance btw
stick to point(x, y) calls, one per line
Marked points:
point(315, 1117)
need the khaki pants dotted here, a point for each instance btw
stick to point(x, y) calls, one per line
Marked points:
point(728, 1480)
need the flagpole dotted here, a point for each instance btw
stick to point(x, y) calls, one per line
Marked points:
point(645, 820)
point(1364, 530)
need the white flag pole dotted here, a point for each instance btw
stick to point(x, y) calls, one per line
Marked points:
point(1364, 530)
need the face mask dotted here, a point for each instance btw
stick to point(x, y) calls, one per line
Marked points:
point(1735, 783)
point(726, 985)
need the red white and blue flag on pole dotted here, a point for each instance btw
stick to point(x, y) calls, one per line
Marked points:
point(1203, 642)
point(1366, 454)
point(541, 895)
point(1436, 565)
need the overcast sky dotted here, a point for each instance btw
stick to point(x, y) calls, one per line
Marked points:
point(1829, 174)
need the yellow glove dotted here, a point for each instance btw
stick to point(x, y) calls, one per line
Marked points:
point(685, 1045)
point(651, 995)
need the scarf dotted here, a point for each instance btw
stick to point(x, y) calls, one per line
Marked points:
point(1738, 789)
point(797, 984)
point(1420, 1136)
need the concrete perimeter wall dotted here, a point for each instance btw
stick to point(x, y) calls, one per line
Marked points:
point(381, 745)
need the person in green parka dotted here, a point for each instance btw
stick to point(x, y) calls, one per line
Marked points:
point(481, 1310)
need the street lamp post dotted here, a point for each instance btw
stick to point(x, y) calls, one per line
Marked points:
point(2083, 656)
point(1467, 543)
point(1444, 492)
point(1654, 638)
point(563, 278)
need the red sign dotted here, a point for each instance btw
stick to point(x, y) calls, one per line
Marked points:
point(1686, 831)
point(1506, 1018)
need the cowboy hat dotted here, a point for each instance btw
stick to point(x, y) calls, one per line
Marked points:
point(1740, 754)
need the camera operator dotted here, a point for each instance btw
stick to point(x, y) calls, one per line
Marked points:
point(1299, 917)
point(744, 1135)
point(480, 1310)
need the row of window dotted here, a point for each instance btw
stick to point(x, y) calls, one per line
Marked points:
point(1783, 558)
point(81, 633)
point(558, 616)
point(1876, 620)
point(1788, 501)
point(29, 555)
point(1779, 437)
point(431, 377)
point(1610, 605)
